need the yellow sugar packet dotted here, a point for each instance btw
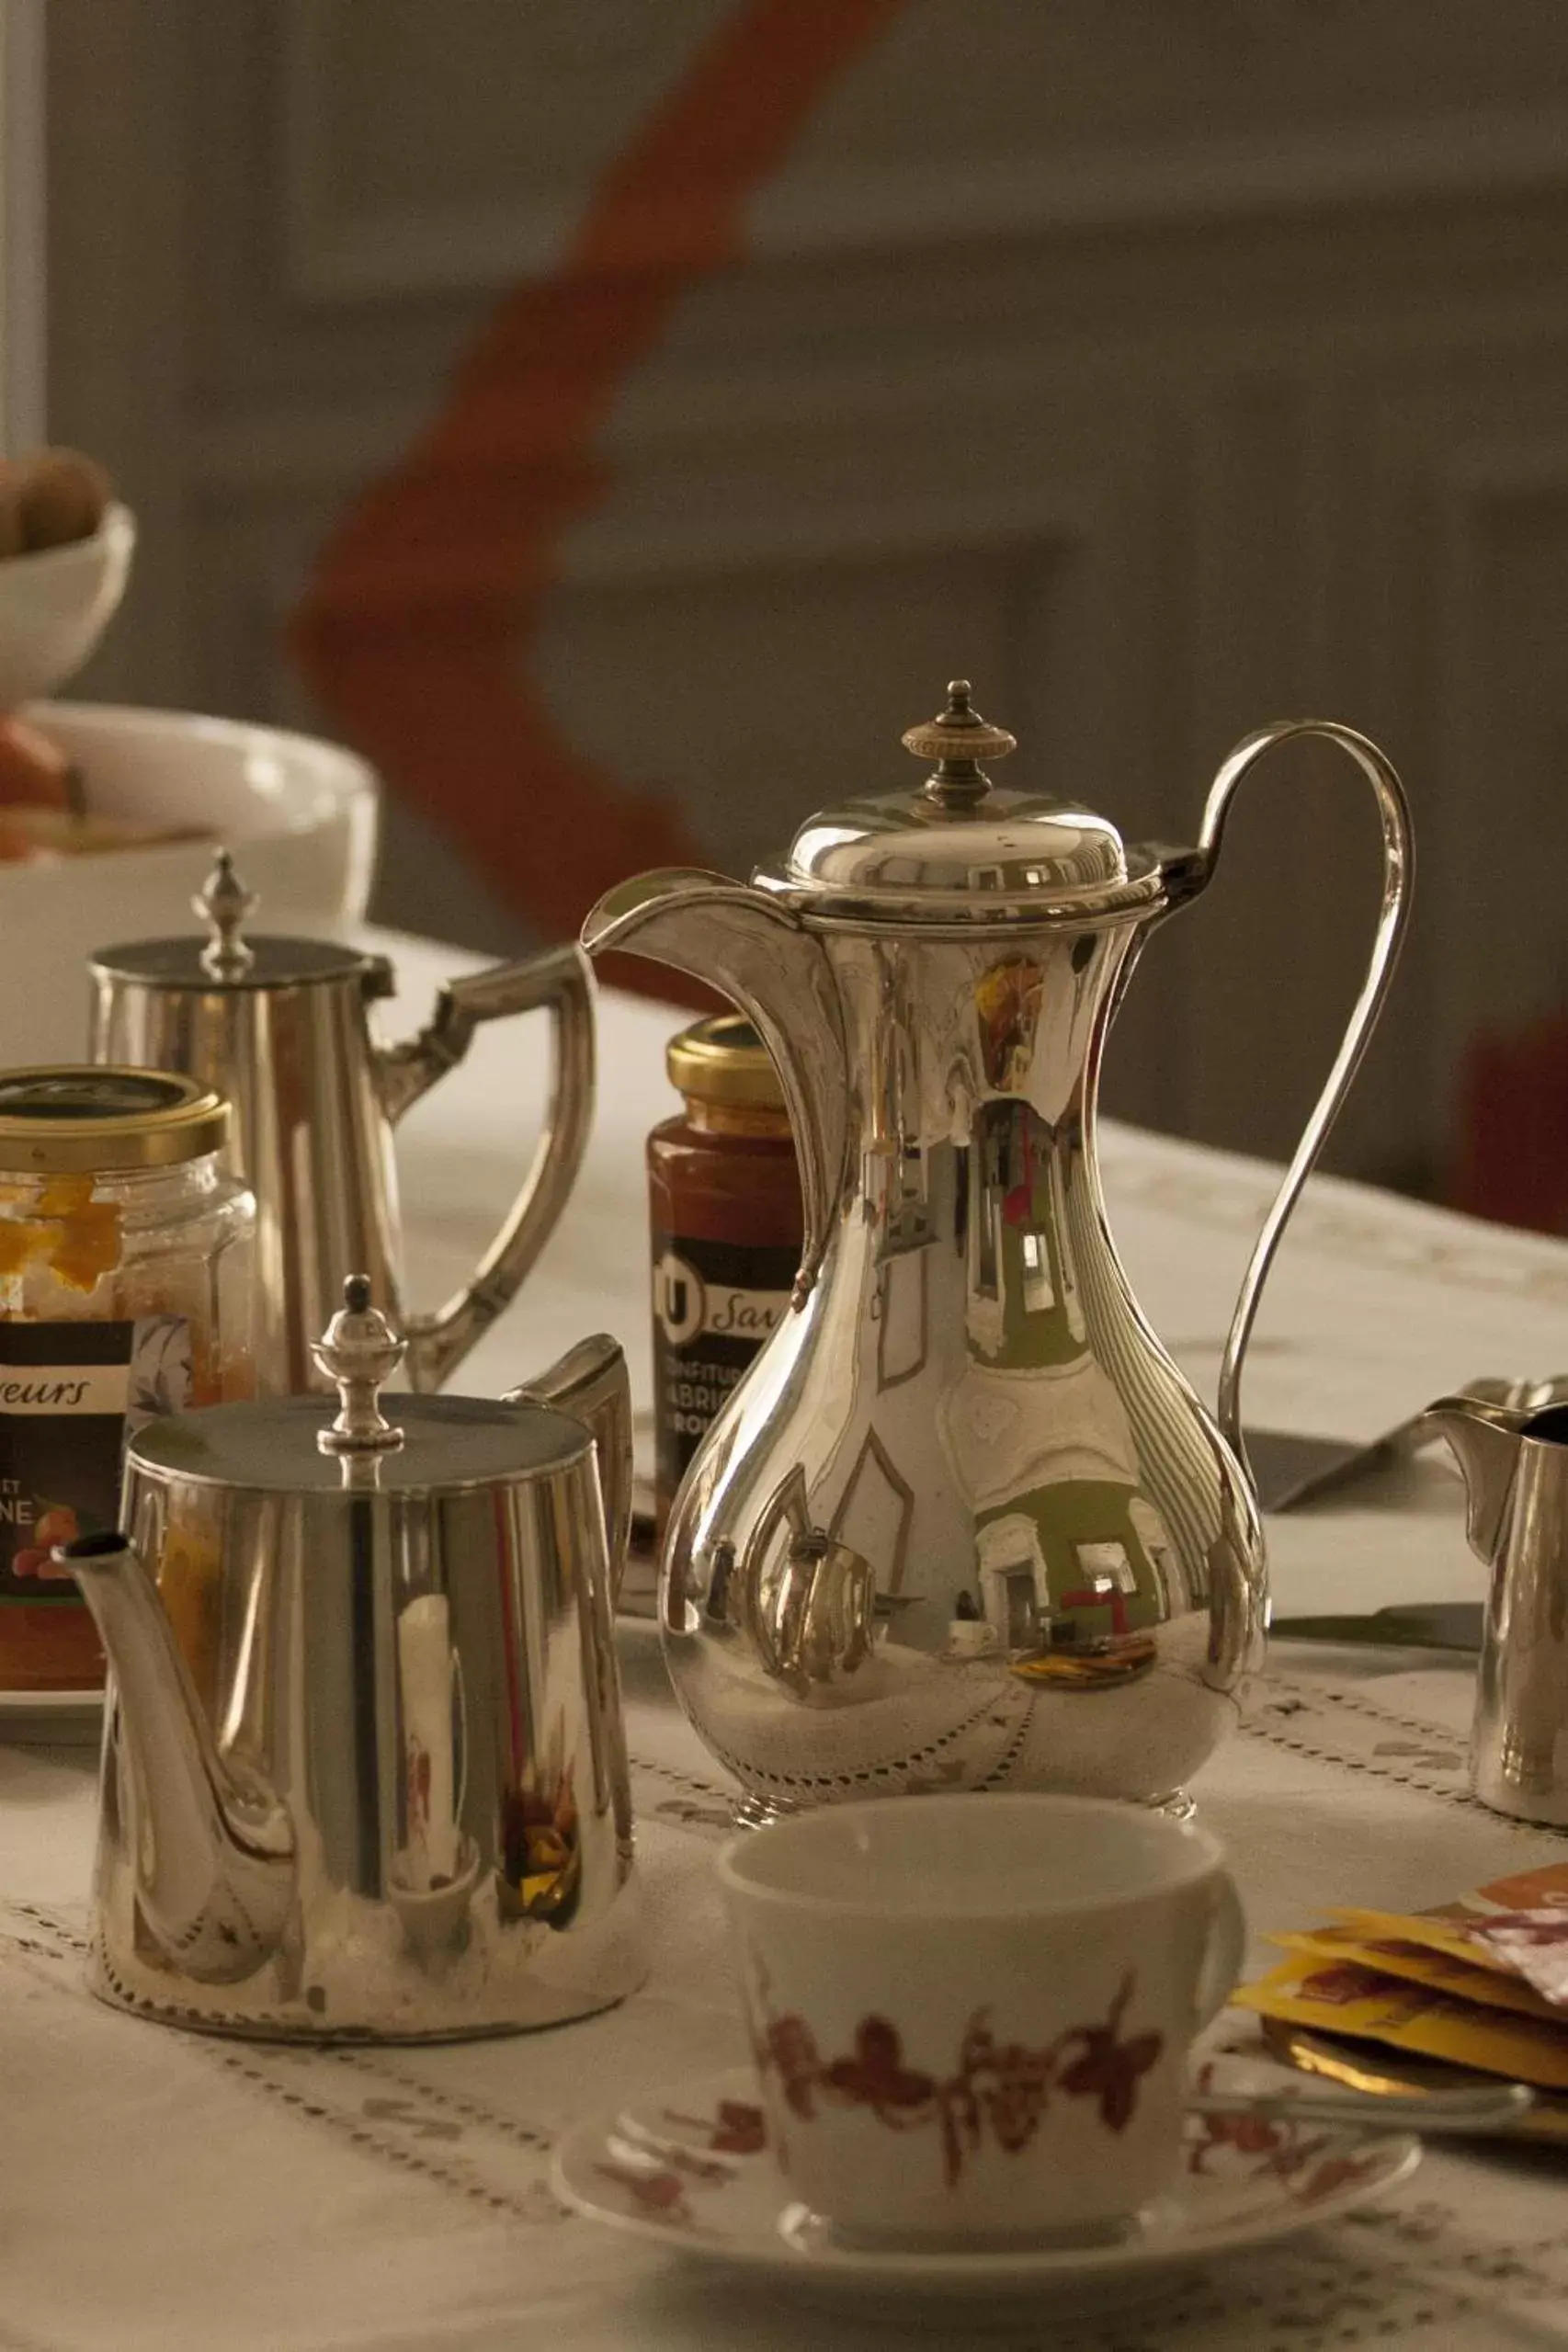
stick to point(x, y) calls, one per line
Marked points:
point(1344, 1998)
point(1424, 1964)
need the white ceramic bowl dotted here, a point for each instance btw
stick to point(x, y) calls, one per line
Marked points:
point(56, 604)
point(299, 814)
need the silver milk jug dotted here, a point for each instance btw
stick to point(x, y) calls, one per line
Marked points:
point(1515, 1460)
point(280, 1028)
point(364, 1769)
point(965, 1525)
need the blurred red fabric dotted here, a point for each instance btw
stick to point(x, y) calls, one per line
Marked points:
point(1514, 1128)
point(415, 631)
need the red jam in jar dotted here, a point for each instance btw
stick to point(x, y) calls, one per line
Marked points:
point(724, 1203)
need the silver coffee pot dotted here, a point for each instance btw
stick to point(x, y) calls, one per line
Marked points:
point(965, 1525)
point(364, 1770)
point(280, 1028)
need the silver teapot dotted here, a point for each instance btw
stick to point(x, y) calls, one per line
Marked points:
point(965, 1525)
point(280, 1028)
point(364, 1770)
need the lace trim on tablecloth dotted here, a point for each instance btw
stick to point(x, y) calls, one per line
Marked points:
point(361, 2097)
point(1351, 1727)
point(1426, 2269)
point(697, 1805)
point(1327, 1724)
point(1391, 2273)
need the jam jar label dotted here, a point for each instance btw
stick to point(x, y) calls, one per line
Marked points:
point(715, 1303)
point(70, 1395)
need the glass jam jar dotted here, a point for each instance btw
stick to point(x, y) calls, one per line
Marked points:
point(125, 1294)
point(724, 1203)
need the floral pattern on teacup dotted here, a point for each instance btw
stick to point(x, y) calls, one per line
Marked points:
point(1307, 2162)
point(1000, 2091)
point(654, 2190)
point(691, 2166)
point(658, 2183)
point(736, 2128)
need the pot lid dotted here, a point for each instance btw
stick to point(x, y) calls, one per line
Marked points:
point(226, 958)
point(420, 1446)
point(961, 849)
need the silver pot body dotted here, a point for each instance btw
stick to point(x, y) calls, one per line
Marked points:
point(1066, 1580)
point(405, 1680)
point(964, 1525)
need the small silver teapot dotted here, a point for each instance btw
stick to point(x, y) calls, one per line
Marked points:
point(281, 1028)
point(965, 1525)
point(364, 1769)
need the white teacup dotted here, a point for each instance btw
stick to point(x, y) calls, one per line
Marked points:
point(972, 2015)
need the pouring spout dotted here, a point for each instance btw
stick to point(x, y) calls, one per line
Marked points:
point(215, 1853)
point(1486, 1440)
point(762, 956)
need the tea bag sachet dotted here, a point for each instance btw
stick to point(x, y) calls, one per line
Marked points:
point(1516, 1926)
point(1493, 1988)
point(1481, 1981)
point(1344, 1998)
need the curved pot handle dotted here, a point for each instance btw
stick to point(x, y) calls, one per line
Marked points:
point(590, 1385)
point(561, 981)
point(1225, 1952)
point(1399, 863)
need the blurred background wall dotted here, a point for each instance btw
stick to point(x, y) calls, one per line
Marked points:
point(1164, 365)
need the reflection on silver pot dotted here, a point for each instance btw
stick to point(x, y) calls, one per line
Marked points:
point(965, 1525)
point(365, 1772)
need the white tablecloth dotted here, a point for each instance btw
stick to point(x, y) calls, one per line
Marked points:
point(170, 2194)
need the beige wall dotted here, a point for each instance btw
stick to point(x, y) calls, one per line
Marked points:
point(1164, 367)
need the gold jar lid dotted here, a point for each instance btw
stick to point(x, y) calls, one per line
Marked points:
point(723, 1060)
point(72, 1120)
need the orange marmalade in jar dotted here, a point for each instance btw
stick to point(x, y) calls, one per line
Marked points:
point(125, 1286)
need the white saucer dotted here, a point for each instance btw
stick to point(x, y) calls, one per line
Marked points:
point(50, 1718)
point(688, 2169)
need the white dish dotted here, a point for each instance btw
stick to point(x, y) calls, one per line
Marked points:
point(56, 603)
point(688, 2170)
point(50, 1718)
point(300, 816)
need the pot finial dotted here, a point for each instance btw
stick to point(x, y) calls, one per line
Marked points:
point(223, 903)
point(959, 739)
point(359, 1351)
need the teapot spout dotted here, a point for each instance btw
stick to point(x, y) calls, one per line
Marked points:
point(215, 1853)
point(1484, 1439)
point(763, 957)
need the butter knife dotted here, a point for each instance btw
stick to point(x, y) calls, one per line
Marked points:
point(1291, 1471)
point(1407, 1625)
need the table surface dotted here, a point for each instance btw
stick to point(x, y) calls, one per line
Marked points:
point(166, 2192)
